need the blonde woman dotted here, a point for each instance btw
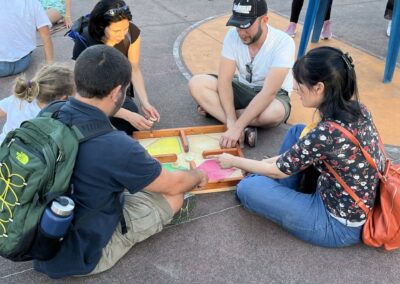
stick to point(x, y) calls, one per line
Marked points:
point(51, 82)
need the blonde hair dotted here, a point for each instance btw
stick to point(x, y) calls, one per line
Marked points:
point(50, 83)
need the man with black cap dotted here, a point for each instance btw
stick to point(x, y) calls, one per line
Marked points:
point(259, 95)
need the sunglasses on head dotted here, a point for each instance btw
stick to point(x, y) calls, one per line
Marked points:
point(117, 11)
point(249, 69)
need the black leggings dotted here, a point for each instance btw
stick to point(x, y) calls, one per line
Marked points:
point(389, 9)
point(296, 9)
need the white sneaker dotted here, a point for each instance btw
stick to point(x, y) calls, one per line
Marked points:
point(389, 28)
point(326, 30)
point(291, 29)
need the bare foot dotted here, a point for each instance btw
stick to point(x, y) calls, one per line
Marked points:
point(201, 111)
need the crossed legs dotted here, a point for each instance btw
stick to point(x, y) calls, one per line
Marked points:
point(203, 89)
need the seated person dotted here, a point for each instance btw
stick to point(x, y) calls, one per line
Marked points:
point(110, 24)
point(50, 83)
point(19, 21)
point(259, 95)
point(325, 80)
point(114, 178)
point(58, 11)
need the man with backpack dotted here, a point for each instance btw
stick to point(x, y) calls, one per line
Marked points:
point(122, 195)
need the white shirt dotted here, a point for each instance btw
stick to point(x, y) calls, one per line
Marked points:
point(277, 51)
point(17, 111)
point(19, 20)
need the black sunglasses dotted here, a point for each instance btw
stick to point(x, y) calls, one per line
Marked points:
point(117, 11)
point(249, 69)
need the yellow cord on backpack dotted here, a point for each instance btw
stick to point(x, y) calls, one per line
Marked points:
point(9, 187)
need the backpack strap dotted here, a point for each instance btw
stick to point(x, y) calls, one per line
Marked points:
point(91, 129)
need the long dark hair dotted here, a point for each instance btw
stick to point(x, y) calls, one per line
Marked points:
point(335, 69)
point(99, 19)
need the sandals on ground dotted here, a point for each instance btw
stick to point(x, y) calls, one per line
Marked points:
point(250, 136)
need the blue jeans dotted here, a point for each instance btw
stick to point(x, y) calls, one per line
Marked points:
point(12, 68)
point(303, 215)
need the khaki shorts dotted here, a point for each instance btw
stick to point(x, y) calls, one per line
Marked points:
point(145, 213)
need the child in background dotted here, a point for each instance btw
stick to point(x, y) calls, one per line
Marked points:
point(58, 10)
point(51, 82)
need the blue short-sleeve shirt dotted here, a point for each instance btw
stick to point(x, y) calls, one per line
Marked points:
point(104, 168)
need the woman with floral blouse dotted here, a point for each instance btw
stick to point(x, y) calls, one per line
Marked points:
point(325, 80)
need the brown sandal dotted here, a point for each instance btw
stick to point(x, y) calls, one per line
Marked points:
point(250, 136)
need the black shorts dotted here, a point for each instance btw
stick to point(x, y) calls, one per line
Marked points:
point(243, 94)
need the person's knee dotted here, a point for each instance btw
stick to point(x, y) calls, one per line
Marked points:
point(174, 201)
point(195, 84)
point(257, 189)
point(268, 121)
point(199, 83)
point(247, 189)
point(272, 116)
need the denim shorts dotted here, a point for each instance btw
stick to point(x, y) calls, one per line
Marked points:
point(16, 67)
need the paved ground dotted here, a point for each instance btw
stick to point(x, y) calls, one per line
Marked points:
point(224, 243)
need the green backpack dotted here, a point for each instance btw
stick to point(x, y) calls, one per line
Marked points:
point(36, 165)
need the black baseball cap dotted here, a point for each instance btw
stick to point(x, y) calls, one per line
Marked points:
point(245, 12)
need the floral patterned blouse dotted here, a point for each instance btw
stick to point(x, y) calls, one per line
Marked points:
point(327, 143)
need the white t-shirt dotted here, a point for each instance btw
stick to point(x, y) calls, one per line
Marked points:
point(277, 51)
point(17, 111)
point(19, 20)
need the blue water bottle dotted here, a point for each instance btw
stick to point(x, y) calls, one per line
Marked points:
point(52, 229)
point(56, 219)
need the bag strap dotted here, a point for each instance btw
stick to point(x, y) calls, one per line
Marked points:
point(353, 139)
point(357, 199)
point(91, 129)
point(76, 32)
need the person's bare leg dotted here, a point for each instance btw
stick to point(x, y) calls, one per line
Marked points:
point(272, 116)
point(175, 201)
point(203, 89)
point(54, 15)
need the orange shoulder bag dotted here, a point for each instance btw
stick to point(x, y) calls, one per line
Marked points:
point(382, 227)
